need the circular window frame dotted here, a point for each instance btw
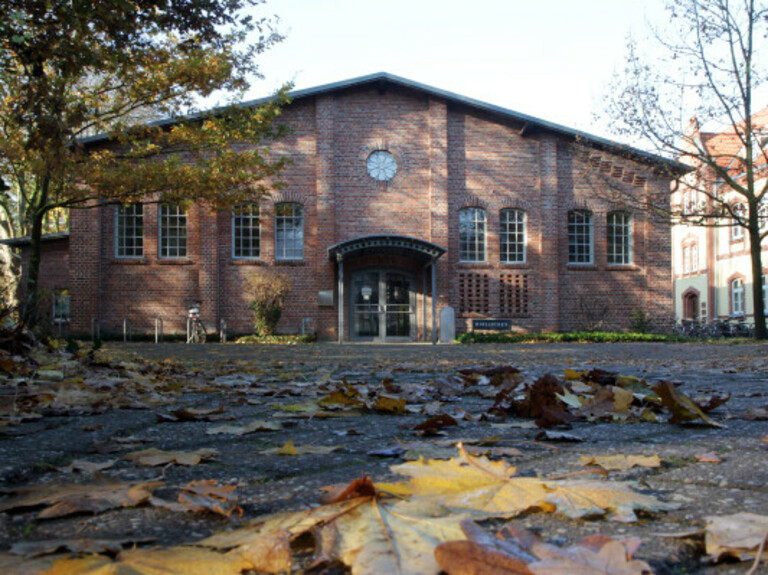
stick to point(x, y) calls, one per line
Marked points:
point(381, 165)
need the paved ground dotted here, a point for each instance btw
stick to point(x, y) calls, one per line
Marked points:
point(257, 381)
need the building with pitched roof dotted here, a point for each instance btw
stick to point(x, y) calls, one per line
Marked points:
point(401, 200)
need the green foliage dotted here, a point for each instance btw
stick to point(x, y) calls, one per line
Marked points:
point(640, 321)
point(73, 70)
point(576, 336)
point(266, 291)
point(278, 339)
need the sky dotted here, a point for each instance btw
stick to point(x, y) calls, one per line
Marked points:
point(551, 59)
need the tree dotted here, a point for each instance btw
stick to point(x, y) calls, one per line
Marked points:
point(705, 65)
point(73, 68)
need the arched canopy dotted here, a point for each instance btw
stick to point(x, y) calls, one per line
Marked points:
point(388, 244)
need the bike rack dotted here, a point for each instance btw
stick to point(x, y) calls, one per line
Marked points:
point(158, 329)
point(223, 330)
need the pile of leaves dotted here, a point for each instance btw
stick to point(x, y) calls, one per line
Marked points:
point(598, 395)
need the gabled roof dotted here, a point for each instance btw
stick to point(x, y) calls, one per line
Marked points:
point(528, 124)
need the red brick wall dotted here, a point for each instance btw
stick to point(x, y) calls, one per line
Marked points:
point(449, 157)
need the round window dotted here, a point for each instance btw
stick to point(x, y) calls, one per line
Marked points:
point(381, 165)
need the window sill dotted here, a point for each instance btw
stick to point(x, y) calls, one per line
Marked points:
point(174, 262)
point(129, 261)
point(622, 268)
point(246, 262)
point(475, 265)
point(290, 263)
point(515, 265)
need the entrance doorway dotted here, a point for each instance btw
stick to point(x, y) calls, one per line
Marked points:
point(383, 306)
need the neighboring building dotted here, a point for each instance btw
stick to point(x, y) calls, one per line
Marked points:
point(401, 199)
point(712, 266)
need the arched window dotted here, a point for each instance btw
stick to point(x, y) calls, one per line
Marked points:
point(289, 231)
point(246, 231)
point(512, 236)
point(472, 235)
point(691, 305)
point(737, 297)
point(580, 237)
point(619, 237)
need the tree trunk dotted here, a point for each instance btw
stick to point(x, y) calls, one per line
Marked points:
point(758, 305)
point(29, 315)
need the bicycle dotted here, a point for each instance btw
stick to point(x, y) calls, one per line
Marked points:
point(195, 328)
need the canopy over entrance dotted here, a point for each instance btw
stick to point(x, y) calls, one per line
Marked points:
point(388, 244)
point(388, 311)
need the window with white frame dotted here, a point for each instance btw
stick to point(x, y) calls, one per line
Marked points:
point(580, 237)
point(737, 230)
point(289, 231)
point(246, 232)
point(472, 235)
point(619, 235)
point(172, 236)
point(129, 231)
point(694, 258)
point(737, 297)
point(512, 236)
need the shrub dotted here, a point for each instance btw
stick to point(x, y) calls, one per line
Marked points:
point(576, 336)
point(640, 321)
point(266, 291)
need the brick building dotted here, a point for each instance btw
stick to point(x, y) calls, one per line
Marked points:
point(401, 199)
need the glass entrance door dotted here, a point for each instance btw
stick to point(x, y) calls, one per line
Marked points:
point(383, 306)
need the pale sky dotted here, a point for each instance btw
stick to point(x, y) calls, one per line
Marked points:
point(550, 59)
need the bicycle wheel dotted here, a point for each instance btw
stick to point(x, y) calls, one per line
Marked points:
point(199, 332)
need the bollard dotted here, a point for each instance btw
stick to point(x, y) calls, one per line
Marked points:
point(223, 330)
point(158, 329)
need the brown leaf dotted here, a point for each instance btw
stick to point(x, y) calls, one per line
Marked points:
point(621, 462)
point(152, 457)
point(470, 558)
point(362, 487)
point(682, 407)
point(67, 499)
point(436, 423)
point(739, 535)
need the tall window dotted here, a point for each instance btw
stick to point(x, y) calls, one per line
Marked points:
point(173, 232)
point(512, 236)
point(60, 306)
point(246, 232)
point(765, 295)
point(129, 231)
point(472, 235)
point(737, 231)
point(289, 231)
point(619, 238)
point(580, 237)
point(737, 297)
point(686, 260)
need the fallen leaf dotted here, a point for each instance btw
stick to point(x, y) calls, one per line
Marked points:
point(682, 407)
point(436, 423)
point(83, 545)
point(67, 499)
point(187, 560)
point(709, 457)
point(82, 466)
point(739, 535)
point(389, 404)
point(484, 489)
point(369, 534)
point(152, 457)
point(289, 448)
point(257, 425)
point(622, 462)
